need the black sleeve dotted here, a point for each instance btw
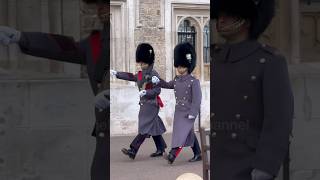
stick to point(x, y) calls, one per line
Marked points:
point(52, 46)
point(278, 116)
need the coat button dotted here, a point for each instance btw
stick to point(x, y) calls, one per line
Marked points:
point(245, 97)
point(253, 78)
point(182, 104)
point(184, 97)
point(175, 91)
point(213, 114)
point(176, 97)
point(174, 85)
point(234, 135)
point(186, 92)
point(101, 134)
point(191, 80)
point(214, 134)
point(238, 116)
point(189, 85)
point(262, 60)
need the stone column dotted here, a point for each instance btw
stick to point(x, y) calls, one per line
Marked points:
point(295, 31)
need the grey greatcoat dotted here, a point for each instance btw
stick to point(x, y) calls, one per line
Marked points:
point(252, 110)
point(188, 100)
point(149, 121)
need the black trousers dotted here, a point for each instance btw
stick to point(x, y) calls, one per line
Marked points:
point(100, 165)
point(139, 139)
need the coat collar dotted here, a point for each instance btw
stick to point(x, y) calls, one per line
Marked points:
point(234, 52)
point(184, 77)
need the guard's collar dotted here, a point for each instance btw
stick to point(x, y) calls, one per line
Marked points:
point(234, 52)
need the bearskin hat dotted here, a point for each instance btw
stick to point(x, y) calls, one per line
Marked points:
point(145, 53)
point(259, 12)
point(185, 56)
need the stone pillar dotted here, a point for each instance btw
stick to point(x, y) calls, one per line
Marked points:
point(295, 31)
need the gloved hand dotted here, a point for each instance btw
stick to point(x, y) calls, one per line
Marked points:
point(9, 35)
point(113, 72)
point(155, 80)
point(257, 174)
point(102, 100)
point(142, 93)
point(191, 117)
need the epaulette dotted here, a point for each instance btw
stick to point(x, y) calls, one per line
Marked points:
point(270, 50)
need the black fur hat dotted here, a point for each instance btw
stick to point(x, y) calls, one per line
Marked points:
point(259, 12)
point(185, 56)
point(145, 53)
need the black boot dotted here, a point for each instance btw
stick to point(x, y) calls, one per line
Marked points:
point(160, 145)
point(195, 158)
point(157, 153)
point(169, 157)
point(196, 151)
point(129, 152)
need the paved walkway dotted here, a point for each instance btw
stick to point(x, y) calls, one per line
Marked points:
point(145, 167)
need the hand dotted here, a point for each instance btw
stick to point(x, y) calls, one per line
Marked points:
point(155, 80)
point(257, 174)
point(191, 117)
point(142, 93)
point(9, 35)
point(113, 72)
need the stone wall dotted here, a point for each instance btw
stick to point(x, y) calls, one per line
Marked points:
point(150, 31)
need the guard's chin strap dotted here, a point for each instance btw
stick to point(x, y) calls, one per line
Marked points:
point(231, 28)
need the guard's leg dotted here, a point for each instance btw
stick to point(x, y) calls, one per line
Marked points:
point(160, 144)
point(100, 163)
point(173, 154)
point(196, 151)
point(134, 146)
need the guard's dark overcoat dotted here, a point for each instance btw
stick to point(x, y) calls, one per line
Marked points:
point(149, 121)
point(252, 110)
point(188, 100)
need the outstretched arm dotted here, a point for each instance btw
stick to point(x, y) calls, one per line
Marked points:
point(53, 46)
point(126, 76)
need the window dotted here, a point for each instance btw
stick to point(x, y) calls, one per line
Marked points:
point(206, 44)
point(187, 33)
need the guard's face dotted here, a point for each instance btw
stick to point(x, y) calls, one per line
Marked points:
point(229, 25)
point(103, 10)
point(182, 70)
point(144, 65)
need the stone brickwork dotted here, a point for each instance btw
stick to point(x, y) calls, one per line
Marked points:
point(151, 32)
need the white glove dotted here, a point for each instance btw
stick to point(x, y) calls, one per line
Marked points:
point(191, 117)
point(257, 174)
point(155, 80)
point(113, 72)
point(9, 35)
point(142, 93)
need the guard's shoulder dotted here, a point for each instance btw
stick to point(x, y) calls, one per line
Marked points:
point(154, 73)
point(216, 47)
point(193, 78)
point(272, 54)
point(270, 50)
